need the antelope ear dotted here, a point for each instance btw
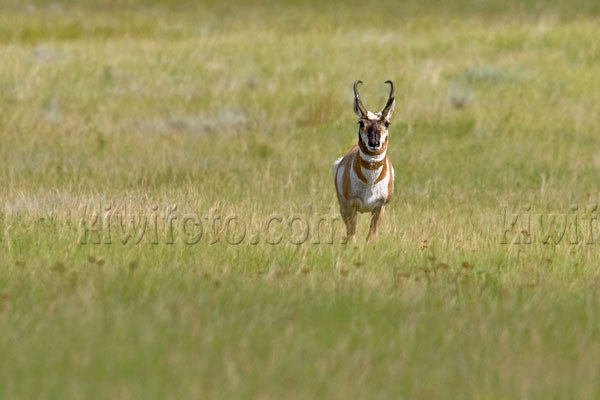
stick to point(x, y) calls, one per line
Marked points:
point(357, 110)
point(389, 111)
point(391, 103)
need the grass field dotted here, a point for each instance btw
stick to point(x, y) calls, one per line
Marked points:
point(218, 118)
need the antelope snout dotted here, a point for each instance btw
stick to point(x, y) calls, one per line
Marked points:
point(374, 143)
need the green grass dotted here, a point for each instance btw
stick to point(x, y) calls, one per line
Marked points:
point(237, 110)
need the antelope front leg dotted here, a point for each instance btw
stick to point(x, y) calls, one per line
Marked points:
point(349, 217)
point(375, 222)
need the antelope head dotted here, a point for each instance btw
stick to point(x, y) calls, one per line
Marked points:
point(373, 127)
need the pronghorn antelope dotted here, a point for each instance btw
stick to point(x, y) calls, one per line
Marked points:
point(364, 177)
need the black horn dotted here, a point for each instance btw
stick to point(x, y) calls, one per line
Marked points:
point(359, 108)
point(390, 103)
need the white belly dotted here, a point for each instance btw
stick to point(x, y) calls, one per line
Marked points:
point(369, 198)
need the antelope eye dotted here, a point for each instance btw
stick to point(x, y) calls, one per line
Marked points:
point(386, 123)
point(361, 124)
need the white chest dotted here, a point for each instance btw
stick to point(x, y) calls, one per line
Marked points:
point(365, 189)
point(369, 196)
